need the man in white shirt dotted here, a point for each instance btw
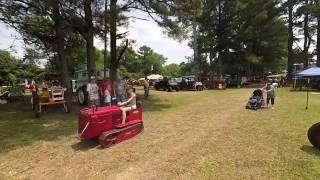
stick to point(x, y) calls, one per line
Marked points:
point(93, 92)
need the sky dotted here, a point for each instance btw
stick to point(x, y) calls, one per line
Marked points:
point(11, 41)
point(143, 32)
point(150, 34)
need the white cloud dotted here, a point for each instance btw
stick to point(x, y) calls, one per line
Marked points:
point(150, 34)
point(11, 41)
point(143, 32)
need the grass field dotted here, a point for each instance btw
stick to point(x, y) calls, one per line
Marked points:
point(188, 135)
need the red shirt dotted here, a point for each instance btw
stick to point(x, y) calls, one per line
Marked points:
point(106, 84)
point(32, 87)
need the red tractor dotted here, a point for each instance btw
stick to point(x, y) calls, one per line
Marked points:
point(105, 123)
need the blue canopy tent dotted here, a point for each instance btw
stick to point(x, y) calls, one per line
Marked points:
point(308, 73)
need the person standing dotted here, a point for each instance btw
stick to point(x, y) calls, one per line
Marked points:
point(146, 87)
point(107, 97)
point(270, 90)
point(120, 90)
point(93, 92)
point(105, 93)
point(32, 86)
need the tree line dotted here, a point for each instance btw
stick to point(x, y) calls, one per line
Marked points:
point(135, 64)
point(243, 37)
point(60, 27)
point(254, 37)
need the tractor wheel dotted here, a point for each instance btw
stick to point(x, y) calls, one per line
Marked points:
point(169, 89)
point(176, 88)
point(82, 96)
point(106, 139)
point(314, 135)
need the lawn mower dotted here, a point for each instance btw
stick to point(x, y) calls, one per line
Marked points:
point(314, 135)
point(105, 123)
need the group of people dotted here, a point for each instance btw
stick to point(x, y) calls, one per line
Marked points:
point(102, 94)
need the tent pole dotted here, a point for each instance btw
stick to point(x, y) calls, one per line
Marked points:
point(308, 94)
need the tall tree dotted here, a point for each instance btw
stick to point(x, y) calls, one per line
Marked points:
point(307, 37)
point(91, 66)
point(40, 23)
point(290, 5)
point(114, 62)
point(162, 12)
point(318, 41)
point(59, 27)
point(317, 12)
point(236, 37)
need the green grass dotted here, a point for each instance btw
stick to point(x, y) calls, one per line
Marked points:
point(19, 127)
point(269, 144)
point(188, 135)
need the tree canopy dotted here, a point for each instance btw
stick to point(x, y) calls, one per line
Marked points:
point(243, 37)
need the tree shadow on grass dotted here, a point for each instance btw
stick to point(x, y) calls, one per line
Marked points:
point(85, 145)
point(153, 104)
point(19, 127)
point(310, 150)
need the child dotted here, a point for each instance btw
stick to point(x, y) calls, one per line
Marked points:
point(107, 97)
point(128, 105)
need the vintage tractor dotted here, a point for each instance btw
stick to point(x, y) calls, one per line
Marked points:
point(48, 97)
point(314, 135)
point(105, 123)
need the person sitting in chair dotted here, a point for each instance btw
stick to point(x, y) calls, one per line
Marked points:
point(129, 104)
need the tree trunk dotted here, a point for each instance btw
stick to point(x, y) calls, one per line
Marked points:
point(290, 42)
point(318, 42)
point(91, 65)
point(113, 40)
point(195, 46)
point(60, 48)
point(105, 40)
point(306, 43)
point(219, 45)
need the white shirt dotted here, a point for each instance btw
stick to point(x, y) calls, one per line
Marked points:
point(93, 91)
point(107, 96)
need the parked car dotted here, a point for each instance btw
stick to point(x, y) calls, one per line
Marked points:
point(190, 83)
point(167, 84)
point(211, 82)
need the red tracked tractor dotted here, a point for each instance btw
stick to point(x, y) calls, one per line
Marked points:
point(105, 123)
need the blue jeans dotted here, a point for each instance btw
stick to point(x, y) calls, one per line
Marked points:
point(121, 98)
